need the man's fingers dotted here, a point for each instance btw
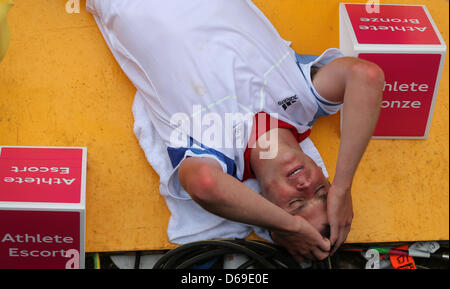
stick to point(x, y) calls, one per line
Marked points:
point(338, 243)
point(325, 245)
point(319, 254)
point(343, 233)
point(334, 234)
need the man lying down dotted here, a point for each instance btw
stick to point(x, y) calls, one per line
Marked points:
point(223, 111)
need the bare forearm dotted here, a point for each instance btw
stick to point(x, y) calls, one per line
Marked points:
point(241, 204)
point(360, 115)
point(225, 196)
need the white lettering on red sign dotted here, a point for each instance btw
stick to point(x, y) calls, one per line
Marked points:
point(38, 181)
point(62, 171)
point(393, 28)
point(404, 87)
point(35, 239)
point(388, 20)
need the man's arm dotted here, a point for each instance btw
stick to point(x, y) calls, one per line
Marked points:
point(359, 84)
point(223, 195)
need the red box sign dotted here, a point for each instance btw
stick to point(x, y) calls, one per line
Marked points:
point(42, 207)
point(408, 92)
point(404, 41)
point(394, 24)
point(40, 175)
point(38, 239)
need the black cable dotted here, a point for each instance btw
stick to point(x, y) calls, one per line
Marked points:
point(203, 257)
point(137, 260)
point(252, 262)
point(172, 256)
point(185, 253)
point(246, 265)
point(279, 253)
point(261, 254)
point(238, 248)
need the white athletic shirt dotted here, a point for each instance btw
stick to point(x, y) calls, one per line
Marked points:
point(199, 65)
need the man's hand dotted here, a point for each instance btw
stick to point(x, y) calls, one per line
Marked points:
point(304, 242)
point(340, 215)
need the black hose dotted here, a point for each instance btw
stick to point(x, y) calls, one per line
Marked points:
point(204, 257)
point(262, 255)
point(137, 260)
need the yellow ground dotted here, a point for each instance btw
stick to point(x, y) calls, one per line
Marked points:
point(60, 86)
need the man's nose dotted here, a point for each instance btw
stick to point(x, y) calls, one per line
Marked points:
point(305, 186)
point(303, 183)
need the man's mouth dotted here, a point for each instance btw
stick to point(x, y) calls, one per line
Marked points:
point(296, 171)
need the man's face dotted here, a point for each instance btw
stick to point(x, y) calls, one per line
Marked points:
point(298, 186)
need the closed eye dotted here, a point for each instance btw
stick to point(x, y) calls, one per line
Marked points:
point(321, 192)
point(296, 205)
point(294, 202)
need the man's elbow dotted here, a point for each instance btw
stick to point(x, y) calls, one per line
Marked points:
point(200, 181)
point(370, 75)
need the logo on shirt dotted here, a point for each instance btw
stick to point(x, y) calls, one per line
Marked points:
point(288, 102)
